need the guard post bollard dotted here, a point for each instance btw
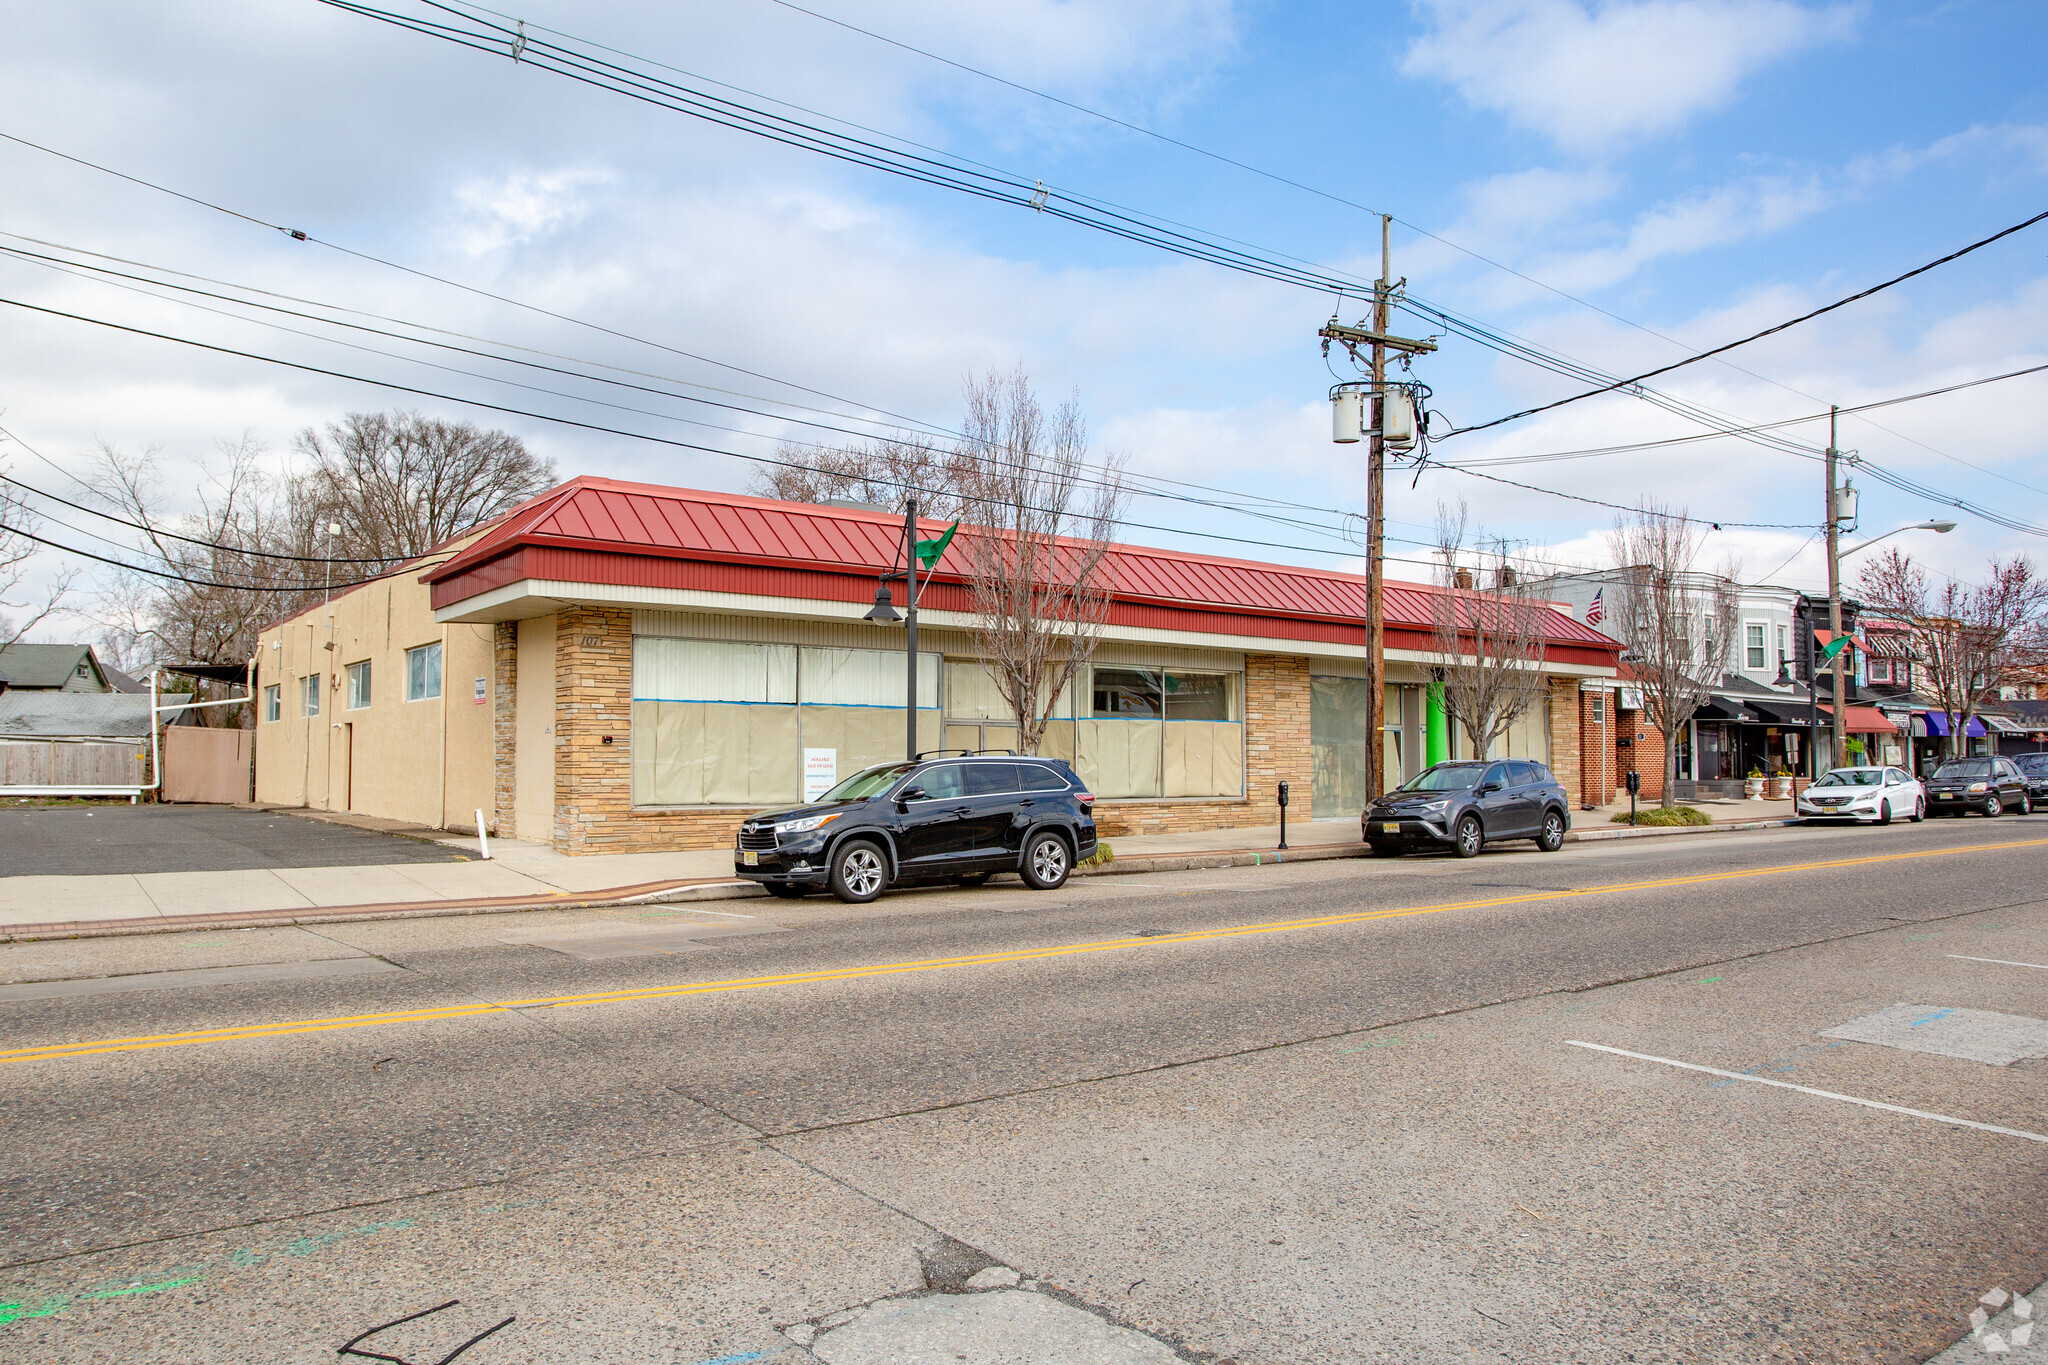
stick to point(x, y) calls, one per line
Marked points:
point(1283, 815)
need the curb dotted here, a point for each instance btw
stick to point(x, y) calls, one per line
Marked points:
point(1653, 831)
point(1240, 857)
point(645, 893)
point(719, 888)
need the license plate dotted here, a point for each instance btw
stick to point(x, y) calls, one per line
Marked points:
point(1390, 827)
point(1948, 796)
point(749, 858)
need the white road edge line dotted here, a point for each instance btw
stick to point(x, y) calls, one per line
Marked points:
point(1999, 961)
point(1809, 1090)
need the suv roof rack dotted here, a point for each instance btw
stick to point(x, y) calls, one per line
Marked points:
point(967, 753)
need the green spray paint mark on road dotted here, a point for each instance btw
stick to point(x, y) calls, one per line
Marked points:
point(16, 1312)
point(1710, 980)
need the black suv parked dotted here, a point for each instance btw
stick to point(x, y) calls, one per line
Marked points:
point(1992, 785)
point(2034, 767)
point(961, 819)
point(1467, 805)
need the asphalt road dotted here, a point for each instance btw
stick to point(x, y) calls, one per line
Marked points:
point(1319, 1112)
point(66, 841)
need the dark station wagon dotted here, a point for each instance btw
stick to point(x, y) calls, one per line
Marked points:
point(960, 818)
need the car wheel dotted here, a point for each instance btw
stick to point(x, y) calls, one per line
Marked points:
point(785, 891)
point(1552, 837)
point(1884, 811)
point(1046, 863)
point(1993, 806)
point(2026, 804)
point(1919, 809)
point(1469, 839)
point(859, 872)
point(973, 879)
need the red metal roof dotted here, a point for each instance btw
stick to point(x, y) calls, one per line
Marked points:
point(634, 519)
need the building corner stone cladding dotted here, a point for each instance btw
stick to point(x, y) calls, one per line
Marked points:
point(594, 810)
point(504, 731)
point(1565, 733)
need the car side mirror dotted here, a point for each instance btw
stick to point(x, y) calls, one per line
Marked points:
point(1487, 788)
point(909, 794)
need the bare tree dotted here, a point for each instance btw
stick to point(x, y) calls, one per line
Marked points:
point(400, 483)
point(221, 572)
point(1041, 520)
point(18, 551)
point(883, 471)
point(1973, 637)
point(1487, 644)
point(1674, 622)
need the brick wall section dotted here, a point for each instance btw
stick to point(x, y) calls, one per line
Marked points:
point(1276, 735)
point(1566, 759)
point(1116, 819)
point(594, 780)
point(1646, 756)
point(593, 700)
point(504, 697)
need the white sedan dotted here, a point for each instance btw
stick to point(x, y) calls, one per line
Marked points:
point(1880, 795)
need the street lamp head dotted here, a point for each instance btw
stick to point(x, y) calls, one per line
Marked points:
point(1943, 525)
point(884, 612)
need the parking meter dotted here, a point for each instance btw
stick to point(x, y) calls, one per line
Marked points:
point(1283, 815)
point(1635, 784)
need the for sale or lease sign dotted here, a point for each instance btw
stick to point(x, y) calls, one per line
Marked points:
point(821, 772)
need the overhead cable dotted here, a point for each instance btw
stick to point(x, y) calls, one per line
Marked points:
point(1620, 384)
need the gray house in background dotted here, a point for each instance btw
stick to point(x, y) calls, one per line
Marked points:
point(60, 668)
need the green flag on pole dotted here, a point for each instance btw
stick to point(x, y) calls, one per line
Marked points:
point(1833, 647)
point(930, 550)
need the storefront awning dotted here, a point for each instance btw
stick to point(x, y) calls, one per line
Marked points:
point(1937, 725)
point(1781, 712)
point(2005, 726)
point(1865, 720)
point(1724, 708)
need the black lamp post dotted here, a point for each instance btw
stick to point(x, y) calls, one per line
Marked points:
point(884, 613)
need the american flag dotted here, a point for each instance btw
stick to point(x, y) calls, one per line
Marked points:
point(1595, 610)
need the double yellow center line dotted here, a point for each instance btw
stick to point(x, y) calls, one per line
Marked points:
point(485, 1008)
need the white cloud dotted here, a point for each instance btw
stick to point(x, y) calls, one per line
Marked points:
point(1593, 76)
point(512, 210)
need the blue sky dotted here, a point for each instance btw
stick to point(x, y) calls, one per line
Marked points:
point(1700, 168)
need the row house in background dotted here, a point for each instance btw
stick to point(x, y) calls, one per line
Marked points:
point(620, 667)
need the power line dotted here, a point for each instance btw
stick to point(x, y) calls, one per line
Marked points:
point(1758, 336)
point(1337, 532)
point(208, 583)
point(1621, 507)
point(573, 422)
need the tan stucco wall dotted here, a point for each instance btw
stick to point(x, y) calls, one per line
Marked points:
point(427, 762)
point(533, 801)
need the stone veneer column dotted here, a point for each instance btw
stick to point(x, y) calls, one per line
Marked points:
point(1566, 738)
point(504, 728)
point(593, 702)
point(1276, 736)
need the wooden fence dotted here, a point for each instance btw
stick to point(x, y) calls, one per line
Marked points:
point(72, 763)
point(202, 764)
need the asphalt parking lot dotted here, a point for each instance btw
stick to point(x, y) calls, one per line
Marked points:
point(82, 840)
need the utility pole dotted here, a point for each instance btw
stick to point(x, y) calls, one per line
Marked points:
point(910, 618)
point(1381, 342)
point(1375, 533)
point(1841, 734)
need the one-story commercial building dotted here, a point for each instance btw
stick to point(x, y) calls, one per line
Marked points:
point(621, 667)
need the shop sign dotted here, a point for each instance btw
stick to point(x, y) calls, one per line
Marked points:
point(821, 772)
